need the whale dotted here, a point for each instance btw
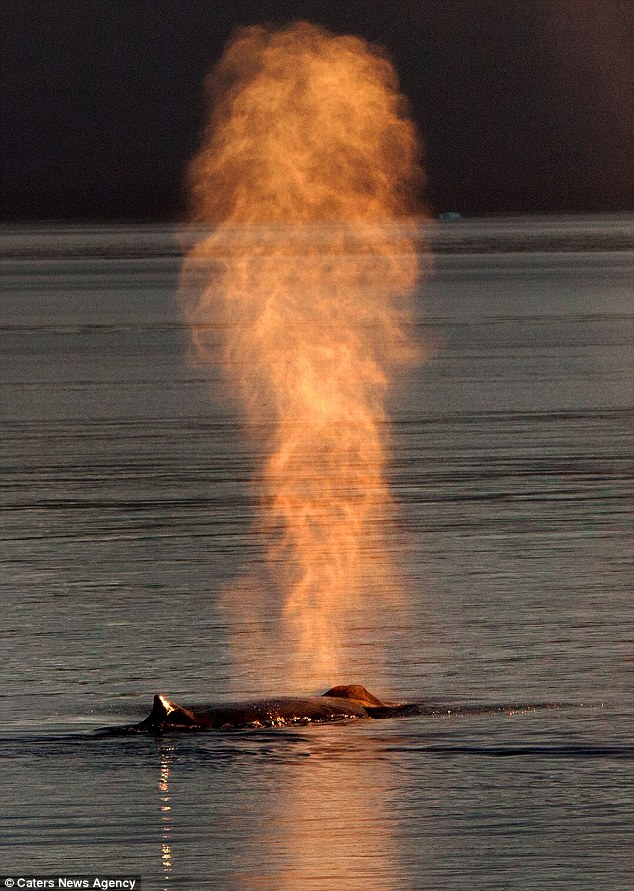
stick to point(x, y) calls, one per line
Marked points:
point(340, 703)
point(346, 702)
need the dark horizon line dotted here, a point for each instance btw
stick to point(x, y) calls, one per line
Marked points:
point(175, 221)
point(178, 215)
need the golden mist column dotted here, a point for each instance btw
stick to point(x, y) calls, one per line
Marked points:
point(308, 175)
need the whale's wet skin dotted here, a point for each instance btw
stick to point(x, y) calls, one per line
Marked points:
point(339, 703)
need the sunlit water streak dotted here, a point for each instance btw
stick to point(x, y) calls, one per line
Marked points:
point(126, 504)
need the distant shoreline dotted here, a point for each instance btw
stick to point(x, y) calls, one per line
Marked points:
point(48, 240)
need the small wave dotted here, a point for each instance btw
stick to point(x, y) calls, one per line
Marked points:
point(442, 709)
point(623, 753)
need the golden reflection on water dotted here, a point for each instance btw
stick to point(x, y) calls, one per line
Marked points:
point(166, 756)
point(319, 819)
point(327, 825)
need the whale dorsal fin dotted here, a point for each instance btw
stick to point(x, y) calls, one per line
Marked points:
point(356, 692)
point(166, 712)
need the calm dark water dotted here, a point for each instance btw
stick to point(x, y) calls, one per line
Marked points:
point(126, 507)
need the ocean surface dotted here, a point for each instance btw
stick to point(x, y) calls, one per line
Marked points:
point(127, 506)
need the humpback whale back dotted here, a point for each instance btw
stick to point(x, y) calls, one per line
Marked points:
point(339, 703)
point(355, 692)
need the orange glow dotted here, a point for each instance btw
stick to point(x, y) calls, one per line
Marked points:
point(308, 176)
point(167, 705)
